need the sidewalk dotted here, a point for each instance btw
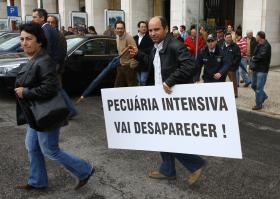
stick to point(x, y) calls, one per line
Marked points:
point(271, 107)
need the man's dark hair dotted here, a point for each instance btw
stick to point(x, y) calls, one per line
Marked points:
point(92, 28)
point(120, 22)
point(41, 13)
point(238, 32)
point(193, 26)
point(227, 33)
point(139, 23)
point(183, 27)
point(261, 34)
point(36, 30)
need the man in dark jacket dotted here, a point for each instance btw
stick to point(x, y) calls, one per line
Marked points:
point(172, 65)
point(261, 59)
point(232, 58)
point(145, 44)
point(53, 21)
point(40, 16)
point(220, 36)
point(212, 59)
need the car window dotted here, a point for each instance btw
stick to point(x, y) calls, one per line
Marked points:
point(6, 45)
point(6, 37)
point(94, 47)
point(72, 42)
point(113, 47)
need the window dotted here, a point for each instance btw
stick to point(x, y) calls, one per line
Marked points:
point(112, 47)
point(7, 44)
point(94, 47)
point(72, 42)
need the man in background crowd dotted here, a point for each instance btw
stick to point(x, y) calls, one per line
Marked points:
point(183, 32)
point(232, 57)
point(190, 42)
point(230, 29)
point(261, 60)
point(220, 36)
point(211, 58)
point(53, 21)
point(145, 44)
point(242, 71)
point(126, 72)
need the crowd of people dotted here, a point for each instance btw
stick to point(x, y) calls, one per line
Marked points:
point(227, 53)
point(84, 30)
point(153, 56)
point(223, 53)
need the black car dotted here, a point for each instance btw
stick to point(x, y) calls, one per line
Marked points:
point(10, 43)
point(86, 57)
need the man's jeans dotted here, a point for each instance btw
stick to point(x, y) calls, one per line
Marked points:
point(40, 144)
point(243, 72)
point(142, 78)
point(191, 162)
point(258, 82)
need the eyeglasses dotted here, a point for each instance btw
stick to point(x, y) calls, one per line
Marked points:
point(210, 41)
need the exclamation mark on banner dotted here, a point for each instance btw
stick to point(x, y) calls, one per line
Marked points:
point(224, 130)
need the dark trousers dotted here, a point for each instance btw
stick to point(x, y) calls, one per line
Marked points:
point(126, 76)
point(189, 161)
point(232, 78)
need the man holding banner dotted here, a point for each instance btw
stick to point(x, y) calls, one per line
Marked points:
point(170, 64)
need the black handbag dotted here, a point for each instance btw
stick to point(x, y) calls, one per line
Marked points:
point(49, 112)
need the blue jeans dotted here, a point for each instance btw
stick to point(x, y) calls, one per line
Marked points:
point(191, 162)
point(142, 77)
point(242, 70)
point(70, 105)
point(40, 144)
point(258, 82)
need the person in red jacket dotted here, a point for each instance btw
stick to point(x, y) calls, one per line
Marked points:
point(190, 42)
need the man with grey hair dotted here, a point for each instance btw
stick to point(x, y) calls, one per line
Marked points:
point(251, 43)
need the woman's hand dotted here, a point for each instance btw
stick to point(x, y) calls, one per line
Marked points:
point(19, 92)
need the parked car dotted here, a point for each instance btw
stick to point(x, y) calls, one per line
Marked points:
point(86, 57)
point(10, 43)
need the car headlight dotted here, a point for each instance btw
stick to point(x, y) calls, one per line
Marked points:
point(4, 69)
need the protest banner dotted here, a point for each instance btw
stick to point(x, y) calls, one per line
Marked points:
point(195, 118)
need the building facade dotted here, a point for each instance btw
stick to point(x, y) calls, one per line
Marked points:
point(249, 14)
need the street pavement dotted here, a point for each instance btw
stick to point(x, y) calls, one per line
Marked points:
point(122, 174)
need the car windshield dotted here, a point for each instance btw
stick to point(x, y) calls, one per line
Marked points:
point(6, 45)
point(72, 42)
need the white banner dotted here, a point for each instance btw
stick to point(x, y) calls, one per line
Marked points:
point(195, 119)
